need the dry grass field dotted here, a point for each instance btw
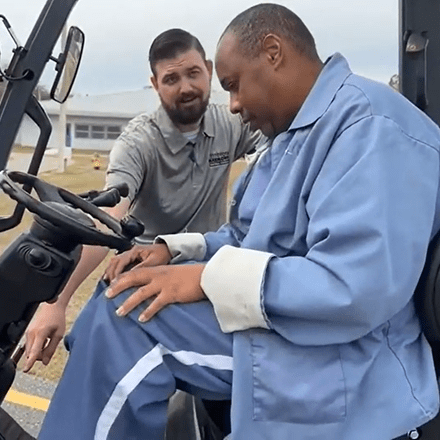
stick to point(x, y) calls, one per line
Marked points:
point(78, 177)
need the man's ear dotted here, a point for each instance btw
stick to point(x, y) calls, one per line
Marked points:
point(153, 80)
point(209, 66)
point(272, 47)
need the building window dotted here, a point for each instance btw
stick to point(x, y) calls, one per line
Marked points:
point(113, 131)
point(97, 131)
point(82, 131)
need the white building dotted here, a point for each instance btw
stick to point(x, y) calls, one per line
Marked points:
point(94, 122)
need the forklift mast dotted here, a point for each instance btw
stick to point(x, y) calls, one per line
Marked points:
point(419, 81)
point(419, 54)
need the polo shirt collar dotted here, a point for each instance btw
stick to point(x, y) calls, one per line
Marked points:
point(174, 137)
point(330, 80)
point(208, 123)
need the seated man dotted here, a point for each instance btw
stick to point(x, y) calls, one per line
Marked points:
point(306, 296)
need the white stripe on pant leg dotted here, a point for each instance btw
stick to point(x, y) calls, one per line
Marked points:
point(128, 383)
point(141, 369)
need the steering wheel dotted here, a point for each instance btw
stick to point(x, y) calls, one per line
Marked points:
point(65, 210)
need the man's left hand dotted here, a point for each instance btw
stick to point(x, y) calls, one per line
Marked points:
point(164, 284)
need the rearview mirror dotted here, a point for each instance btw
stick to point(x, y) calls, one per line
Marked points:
point(67, 65)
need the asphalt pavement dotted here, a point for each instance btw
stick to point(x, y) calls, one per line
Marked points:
point(27, 400)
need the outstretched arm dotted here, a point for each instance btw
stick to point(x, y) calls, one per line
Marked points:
point(49, 325)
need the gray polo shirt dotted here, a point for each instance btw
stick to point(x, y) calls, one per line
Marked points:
point(176, 185)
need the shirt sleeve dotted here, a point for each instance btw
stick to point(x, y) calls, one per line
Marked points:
point(129, 157)
point(196, 246)
point(185, 246)
point(225, 235)
point(371, 210)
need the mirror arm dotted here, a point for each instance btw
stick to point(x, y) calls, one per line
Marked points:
point(59, 61)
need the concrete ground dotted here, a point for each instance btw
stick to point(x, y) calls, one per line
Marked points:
point(20, 162)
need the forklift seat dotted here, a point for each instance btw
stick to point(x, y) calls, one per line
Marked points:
point(427, 299)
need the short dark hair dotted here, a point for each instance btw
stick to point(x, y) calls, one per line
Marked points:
point(171, 43)
point(254, 24)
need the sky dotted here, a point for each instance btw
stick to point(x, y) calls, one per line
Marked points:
point(118, 34)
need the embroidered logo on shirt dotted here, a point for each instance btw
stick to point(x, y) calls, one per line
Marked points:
point(217, 159)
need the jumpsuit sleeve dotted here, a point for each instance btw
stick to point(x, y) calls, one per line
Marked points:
point(371, 211)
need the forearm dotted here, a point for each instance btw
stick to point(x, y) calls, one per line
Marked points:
point(91, 258)
point(49, 325)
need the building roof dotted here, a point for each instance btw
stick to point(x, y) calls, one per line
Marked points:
point(116, 105)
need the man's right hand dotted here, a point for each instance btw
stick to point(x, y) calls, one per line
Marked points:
point(138, 256)
point(49, 325)
point(44, 334)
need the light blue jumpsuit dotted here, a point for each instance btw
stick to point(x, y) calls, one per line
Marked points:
point(311, 283)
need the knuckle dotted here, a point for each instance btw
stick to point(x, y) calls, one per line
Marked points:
point(141, 293)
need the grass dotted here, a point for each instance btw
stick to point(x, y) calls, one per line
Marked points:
point(78, 177)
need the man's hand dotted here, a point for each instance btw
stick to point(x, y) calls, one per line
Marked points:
point(138, 256)
point(164, 284)
point(44, 334)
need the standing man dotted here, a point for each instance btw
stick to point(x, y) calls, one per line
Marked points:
point(306, 295)
point(176, 163)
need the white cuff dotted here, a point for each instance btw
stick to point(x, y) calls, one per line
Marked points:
point(184, 247)
point(233, 281)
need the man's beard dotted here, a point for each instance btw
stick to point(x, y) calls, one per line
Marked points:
point(180, 115)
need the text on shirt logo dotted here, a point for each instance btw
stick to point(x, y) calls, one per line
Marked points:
point(217, 159)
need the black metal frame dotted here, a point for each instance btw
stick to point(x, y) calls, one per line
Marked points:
point(419, 78)
point(419, 54)
point(29, 61)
